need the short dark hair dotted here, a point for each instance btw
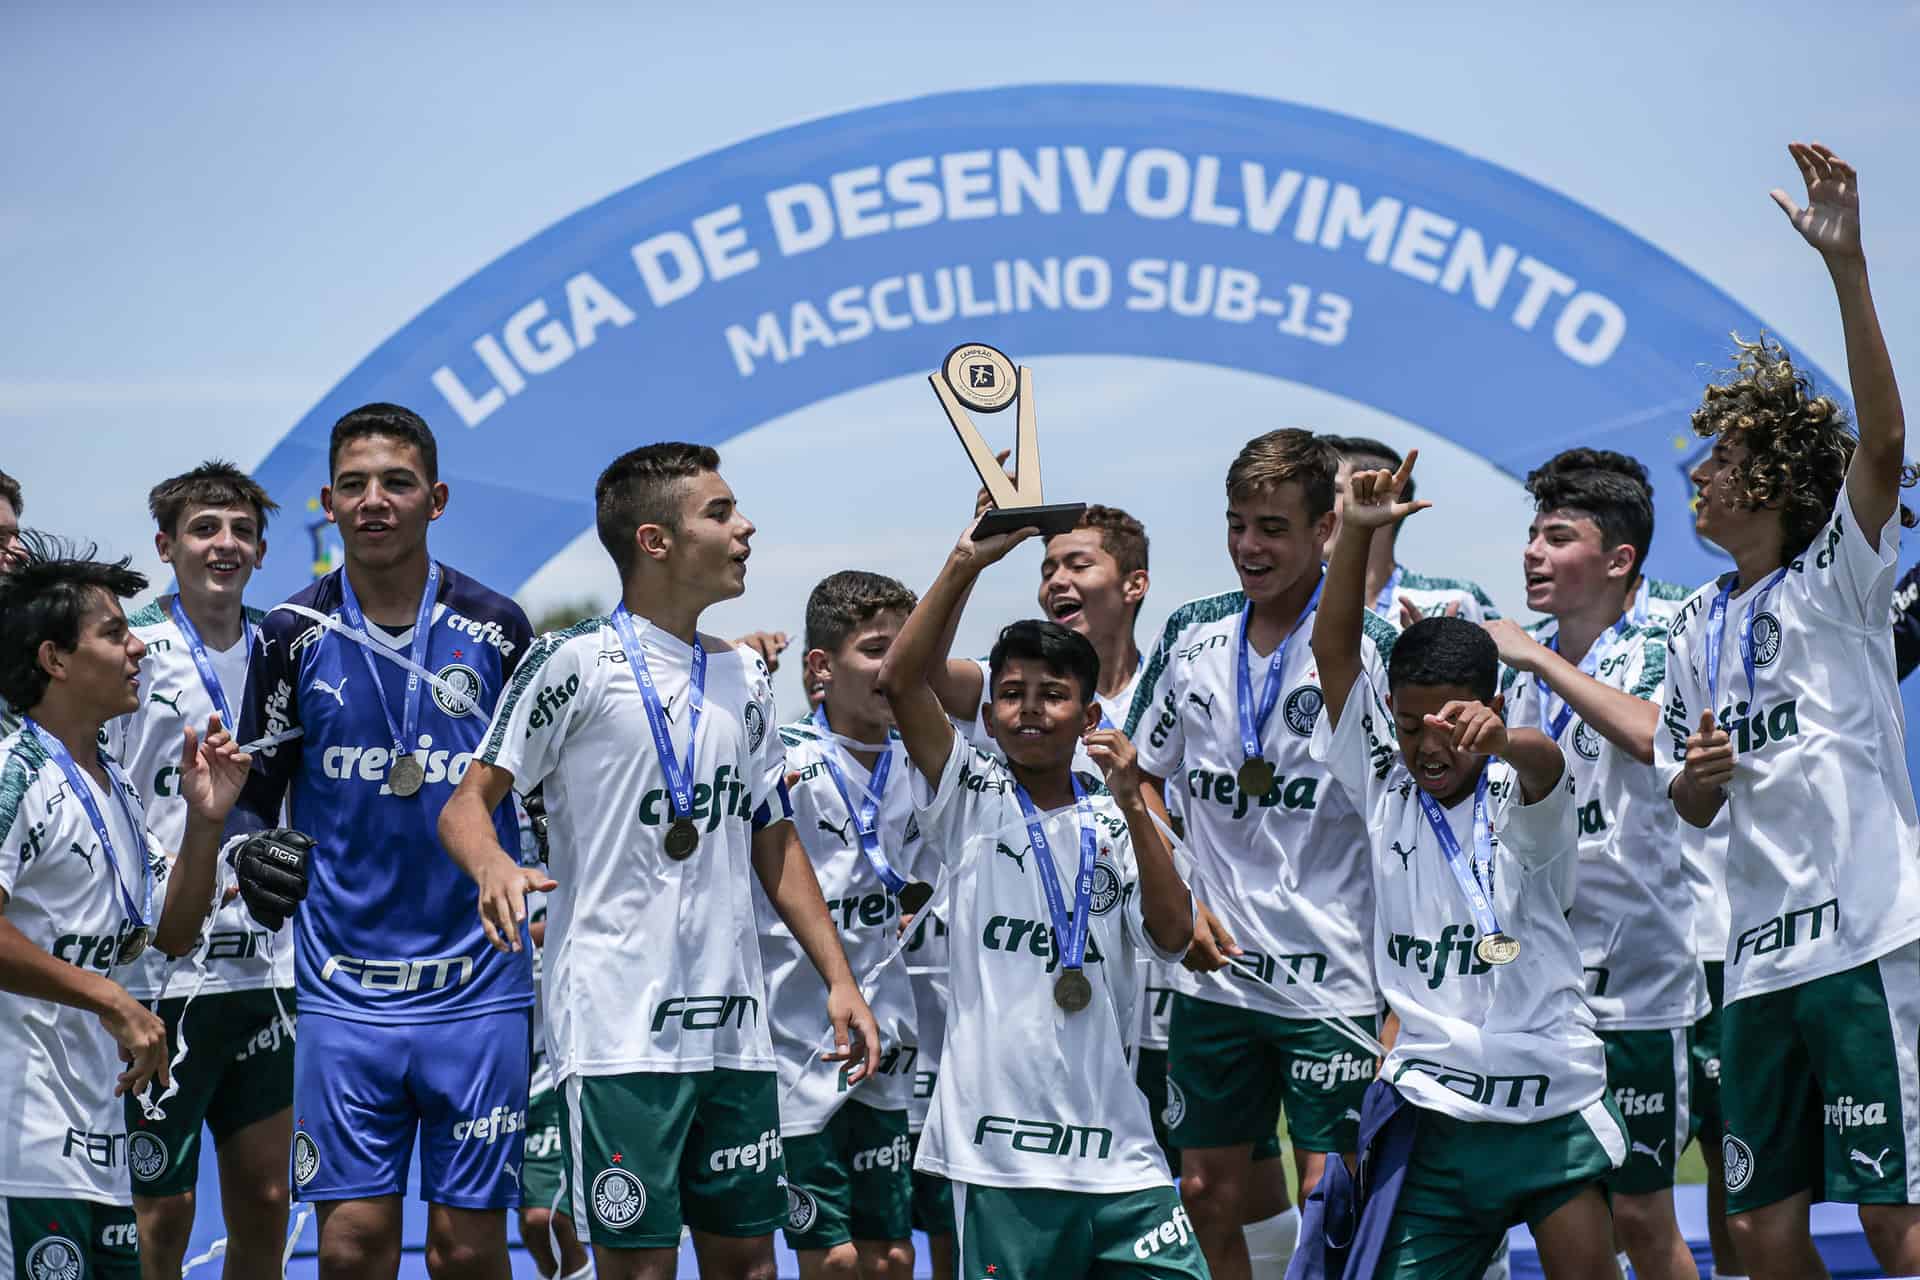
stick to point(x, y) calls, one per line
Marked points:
point(1289, 454)
point(1358, 449)
point(1063, 652)
point(46, 598)
point(1446, 651)
point(1122, 536)
point(10, 490)
point(214, 483)
point(642, 486)
point(383, 419)
point(1621, 506)
point(842, 601)
point(1596, 460)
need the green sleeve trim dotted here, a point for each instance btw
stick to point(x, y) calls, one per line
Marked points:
point(537, 657)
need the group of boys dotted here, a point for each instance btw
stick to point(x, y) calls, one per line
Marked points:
point(993, 950)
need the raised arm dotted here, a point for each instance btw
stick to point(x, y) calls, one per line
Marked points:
point(1629, 723)
point(1831, 224)
point(1373, 502)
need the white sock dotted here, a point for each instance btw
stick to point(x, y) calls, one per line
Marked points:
point(584, 1273)
point(1270, 1243)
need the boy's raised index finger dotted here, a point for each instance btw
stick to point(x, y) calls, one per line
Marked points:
point(1405, 469)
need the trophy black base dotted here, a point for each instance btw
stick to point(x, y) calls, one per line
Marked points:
point(1051, 520)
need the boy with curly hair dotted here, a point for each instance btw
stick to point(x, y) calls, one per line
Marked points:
point(1782, 708)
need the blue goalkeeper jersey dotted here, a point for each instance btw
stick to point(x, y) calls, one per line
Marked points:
point(389, 931)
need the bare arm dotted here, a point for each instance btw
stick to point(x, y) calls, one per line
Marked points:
point(1165, 904)
point(1537, 759)
point(1372, 503)
point(786, 873)
point(1700, 788)
point(1629, 723)
point(26, 970)
point(212, 775)
point(468, 836)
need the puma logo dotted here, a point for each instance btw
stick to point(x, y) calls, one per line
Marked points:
point(338, 692)
point(839, 832)
point(1205, 704)
point(1021, 857)
point(86, 855)
point(1861, 1158)
point(173, 702)
point(1404, 853)
point(1652, 1153)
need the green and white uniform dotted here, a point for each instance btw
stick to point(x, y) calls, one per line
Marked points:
point(656, 1015)
point(1632, 915)
point(65, 1154)
point(1432, 597)
point(926, 954)
point(1286, 873)
point(1503, 1058)
point(239, 1064)
point(543, 1168)
point(1820, 1090)
point(847, 1178)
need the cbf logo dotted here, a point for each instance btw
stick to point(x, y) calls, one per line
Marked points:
point(802, 1209)
point(458, 690)
point(1586, 741)
point(55, 1258)
point(619, 1198)
point(1106, 887)
point(1738, 1159)
point(1303, 709)
point(146, 1156)
point(306, 1159)
point(1766, 639)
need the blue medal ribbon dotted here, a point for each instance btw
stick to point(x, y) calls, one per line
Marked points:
point(1072, 953)
point(1384, 604)
point(1556, 725)
point(83, 791)
point(866, 815)
point(403, 733)
point(1466, 872)
point(209, 678)
point(1716, 629)
point(1254, 723)
point(679, 776)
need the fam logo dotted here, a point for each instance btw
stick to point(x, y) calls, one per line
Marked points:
point(619, 1198)
point(1106, 887)
point(458, 690)
point(1303, 709)
point(1766, 639)
point(55, 1258)
point(146, 1156)
point(1737, 1156)
point(1586, 741)
point(802, 1209)
point(306, 1158)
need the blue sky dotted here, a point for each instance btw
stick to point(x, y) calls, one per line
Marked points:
point(210, 216)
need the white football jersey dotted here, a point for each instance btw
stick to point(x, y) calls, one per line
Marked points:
point(867, 916)
point(1432, 597)
point(1509, 1043)
point(65, 1133)
point(645, 970)
point(1823, 857)
point(926, 956)
point(1285, 872)
point(1030, 1095)
point(1633, 915)
point(239, 953)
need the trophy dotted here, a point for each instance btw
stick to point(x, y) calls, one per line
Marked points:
point(976, 376)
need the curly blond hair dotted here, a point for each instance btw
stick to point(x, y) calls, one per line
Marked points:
point(1798, 443)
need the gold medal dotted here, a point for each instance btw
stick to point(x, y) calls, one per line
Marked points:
point(682, 839)
point(1255, 776)
point(914, 896)
point(406, 776)
point(132, 944)
point(1498, 948)
point(1072, 991)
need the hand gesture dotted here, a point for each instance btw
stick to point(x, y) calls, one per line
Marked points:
point(142, 1039)
point(1113, 752)
point(212, 772)
point(1474, 727)
point(1213, 947)
point(1411, 613)
point(1518, 649)
point(768, 644)
point(978, 555)
point(856, 1036)
point(504, 885)
point(1373, 497)
point(1709, 762)
point(1831, 220)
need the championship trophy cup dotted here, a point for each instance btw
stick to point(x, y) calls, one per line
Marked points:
point(976, 376)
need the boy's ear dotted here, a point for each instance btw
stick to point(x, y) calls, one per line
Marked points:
point(819, 664)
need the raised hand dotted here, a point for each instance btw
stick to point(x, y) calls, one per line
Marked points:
point(1474, 727)
point(988, 550)
point(768, 644)
point(1373, 497)
point(1518, 649)
point(1111, 750)
point(1831, 219)
point(1411, 613)
point(1709, 762)
point(212, 772)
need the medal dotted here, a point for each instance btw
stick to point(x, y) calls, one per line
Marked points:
point(915, 895)
point(911, 895)
point(406, 776)
point(1256, 774)
point(135, 933)
point(682, 839)
point(1497, 948)
point(1072, 991)
point(133, 943)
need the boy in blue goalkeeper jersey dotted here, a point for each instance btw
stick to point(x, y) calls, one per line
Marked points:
point(391, 965)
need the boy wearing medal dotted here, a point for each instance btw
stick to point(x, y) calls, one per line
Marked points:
point(849, 1189)
point(1474, 863)
point(1589, 677)
point(237, 1079)
point(1783, 711)
point(1058, 893)
point(84, 889)
point(1221, 720)
point(664, 781)
point(388, 669)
